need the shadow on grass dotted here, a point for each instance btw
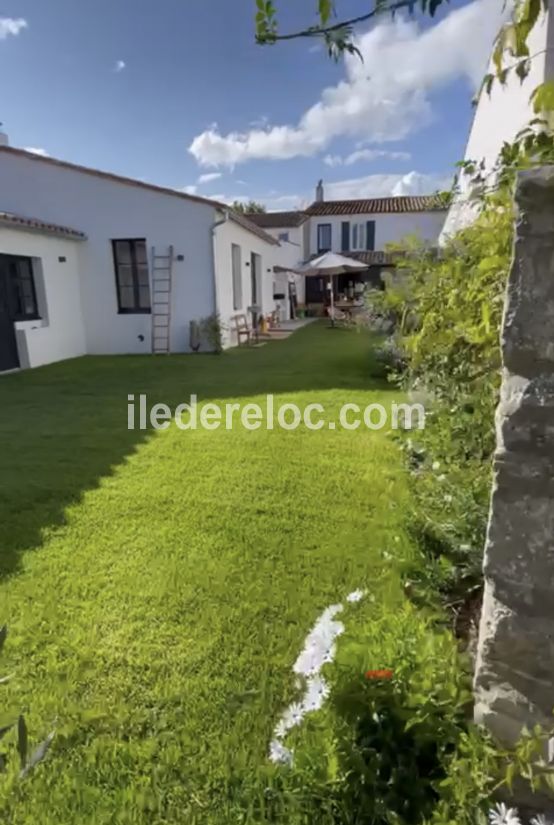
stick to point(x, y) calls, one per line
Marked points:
point(63, 427)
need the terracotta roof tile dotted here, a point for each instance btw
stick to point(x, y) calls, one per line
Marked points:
point(408, 203)
point(33, 224)
point(275, 220)
point(246, 223)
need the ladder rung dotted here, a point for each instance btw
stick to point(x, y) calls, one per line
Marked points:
point(161, 269)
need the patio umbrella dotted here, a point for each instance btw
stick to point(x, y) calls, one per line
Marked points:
point(330, 264)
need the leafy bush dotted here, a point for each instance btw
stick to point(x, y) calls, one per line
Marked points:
point(211, 330)
point(398, 751)
point(448, 307)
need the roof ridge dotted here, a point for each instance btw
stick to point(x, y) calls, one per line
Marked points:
point(280, 218)
point(100, 173)
point(154, 187)
point(242, 220)
point(389, 204)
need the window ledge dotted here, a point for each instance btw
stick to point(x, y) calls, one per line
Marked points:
point(30, 323)
point(134, 312)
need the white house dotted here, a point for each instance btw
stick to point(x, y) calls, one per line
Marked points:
point(292, 231)
point(140, 264)
point(500, 115)
point(362, 229)
point(41, 316)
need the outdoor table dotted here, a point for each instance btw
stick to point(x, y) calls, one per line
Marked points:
point(348, 308)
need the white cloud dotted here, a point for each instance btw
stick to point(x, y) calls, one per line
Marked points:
point(9, 25)
point(189, 190)
point(369, 186)
point(210, 176)
point(37, 150)
point(381, 186)
point(120, 65)
point(385, 98)
point(364, 154)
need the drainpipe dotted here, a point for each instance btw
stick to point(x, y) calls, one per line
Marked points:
point(216, 225)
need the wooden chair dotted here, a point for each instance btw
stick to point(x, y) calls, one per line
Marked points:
point(242, 328)
point(337, 316)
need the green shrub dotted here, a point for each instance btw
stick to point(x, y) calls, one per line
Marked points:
point(388, 751)
point(448, 307)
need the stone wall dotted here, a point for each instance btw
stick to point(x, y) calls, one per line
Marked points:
point(514, 680)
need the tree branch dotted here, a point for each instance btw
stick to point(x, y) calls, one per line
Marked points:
point(320, 31)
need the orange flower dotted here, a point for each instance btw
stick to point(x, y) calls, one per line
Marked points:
point(386, 673)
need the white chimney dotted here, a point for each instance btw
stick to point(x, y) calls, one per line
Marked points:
point(4, 139)
point(319, 192)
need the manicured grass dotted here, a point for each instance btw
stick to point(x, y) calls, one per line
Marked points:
point(158, 586)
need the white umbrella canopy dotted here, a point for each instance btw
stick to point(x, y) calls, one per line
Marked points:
point(330, 264)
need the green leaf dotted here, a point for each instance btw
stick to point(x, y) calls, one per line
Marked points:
point(3, 635)
point(543, 97)
point(326, 9)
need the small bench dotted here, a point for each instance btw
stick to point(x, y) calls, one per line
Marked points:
point(242, 327)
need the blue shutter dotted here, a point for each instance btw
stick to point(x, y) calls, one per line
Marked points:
point(345, 246)
point(370, 235)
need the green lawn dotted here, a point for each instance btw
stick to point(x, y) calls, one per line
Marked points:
point(158, 586)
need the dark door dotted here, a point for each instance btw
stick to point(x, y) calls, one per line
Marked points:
point(9, 359)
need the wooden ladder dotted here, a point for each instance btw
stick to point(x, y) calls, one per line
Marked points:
point(162, 273)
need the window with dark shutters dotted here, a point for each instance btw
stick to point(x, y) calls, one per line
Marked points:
point(370, 235)
point(345, 242)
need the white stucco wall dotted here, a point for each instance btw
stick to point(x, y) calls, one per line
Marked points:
point(500, 116)
point(106, 209)
point(226, 235)
point(389, 227)
point(292, 253)
point(60, 332)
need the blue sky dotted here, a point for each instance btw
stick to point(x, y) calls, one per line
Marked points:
point(176, 90)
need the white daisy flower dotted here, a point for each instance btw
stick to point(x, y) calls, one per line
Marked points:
point(502, 815)
point(278, 753)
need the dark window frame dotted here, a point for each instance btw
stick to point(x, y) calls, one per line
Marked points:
point(13, 288)
point(320, 227)
point(370, 235)
point(136, 309)
point(345, 236)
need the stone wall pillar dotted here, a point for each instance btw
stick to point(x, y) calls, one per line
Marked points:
point(514, 680)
